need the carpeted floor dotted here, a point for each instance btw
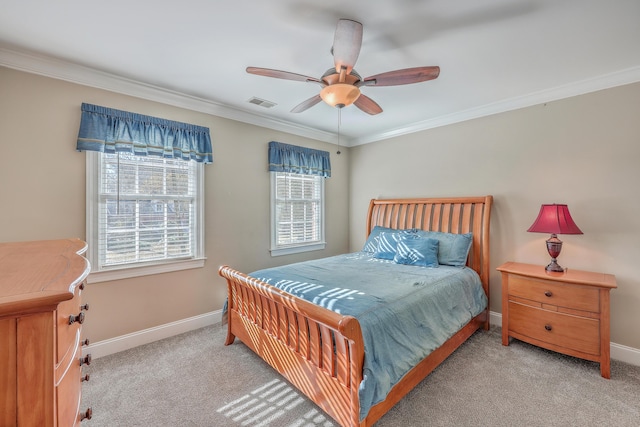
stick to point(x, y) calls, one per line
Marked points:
point(194, 380)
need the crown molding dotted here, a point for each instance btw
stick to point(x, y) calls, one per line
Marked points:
point(62, 70)
point(619, 78)
point(74, 73)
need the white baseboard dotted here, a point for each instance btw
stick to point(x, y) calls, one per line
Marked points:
point(618, 351)
point(146, 336)
point(114, 345)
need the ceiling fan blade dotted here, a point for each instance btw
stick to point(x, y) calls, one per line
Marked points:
point(367, 105)
point(305, 105)
point(267, 72)
point(402, 77)
point(346, 44)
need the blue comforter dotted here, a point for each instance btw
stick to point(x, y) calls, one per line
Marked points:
point(405, 312)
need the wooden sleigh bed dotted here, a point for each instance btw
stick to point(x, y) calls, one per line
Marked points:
point(320, 351)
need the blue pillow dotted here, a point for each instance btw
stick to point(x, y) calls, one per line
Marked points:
point(453, 249)
point(371, 245)
point(417, 251)
point(387, 243)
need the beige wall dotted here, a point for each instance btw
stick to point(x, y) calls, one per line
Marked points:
point(583, 151)
point(42, 192)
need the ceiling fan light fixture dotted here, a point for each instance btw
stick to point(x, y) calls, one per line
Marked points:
point(340, 94)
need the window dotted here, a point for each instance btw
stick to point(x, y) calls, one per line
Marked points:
point(144, 215)
point(297, 197)
point(297, 213)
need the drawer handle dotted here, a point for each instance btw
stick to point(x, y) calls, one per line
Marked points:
point(548, 294)
point(85, 378)
point(81, 286)
point(86, 415)
point(85, 342)
point(84, 307)
point(79, 318)
point(548, 327)
point(85, 360)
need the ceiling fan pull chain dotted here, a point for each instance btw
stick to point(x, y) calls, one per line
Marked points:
point(339, 122)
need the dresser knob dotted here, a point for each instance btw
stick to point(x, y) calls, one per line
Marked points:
point(85, 342)
point(84, 307)
point(84, 378)
point(82, 286)
point(548, 293)
point(548, 327)
point(85, 360)
point(86, 415)
point(79, 318)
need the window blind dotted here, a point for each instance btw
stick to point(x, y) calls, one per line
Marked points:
point(298, 206)
point(147, 208)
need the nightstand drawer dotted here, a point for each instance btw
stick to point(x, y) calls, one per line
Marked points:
point(562, 330)
point(559, 294)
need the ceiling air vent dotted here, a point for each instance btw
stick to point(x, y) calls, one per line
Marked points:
point(262, 102)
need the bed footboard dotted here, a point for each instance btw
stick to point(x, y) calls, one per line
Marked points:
point(320, 352)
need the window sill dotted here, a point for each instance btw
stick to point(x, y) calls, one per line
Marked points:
point(297, 249)
point(129, 272)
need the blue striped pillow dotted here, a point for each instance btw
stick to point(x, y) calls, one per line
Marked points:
point(371, 245)
point(387, 243)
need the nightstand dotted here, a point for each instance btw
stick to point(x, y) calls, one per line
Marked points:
point(566, 312)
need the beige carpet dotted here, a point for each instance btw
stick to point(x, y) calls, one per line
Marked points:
point(194, 380)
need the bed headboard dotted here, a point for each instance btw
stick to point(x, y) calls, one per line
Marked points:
point(451, 215)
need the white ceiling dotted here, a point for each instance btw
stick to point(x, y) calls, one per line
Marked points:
point(494, 55)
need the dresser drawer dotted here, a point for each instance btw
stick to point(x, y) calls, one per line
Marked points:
point(583, 298)
point(562, 330)
point(68, 390)
point(66, 333)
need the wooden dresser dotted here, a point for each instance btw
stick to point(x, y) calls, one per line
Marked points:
point(566, 312)
point(41, 316)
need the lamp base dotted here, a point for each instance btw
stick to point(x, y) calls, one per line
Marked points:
point(554, 246)
point(553, 266)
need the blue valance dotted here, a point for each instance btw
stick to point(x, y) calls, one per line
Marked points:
point(109, 131)
point(301, 160)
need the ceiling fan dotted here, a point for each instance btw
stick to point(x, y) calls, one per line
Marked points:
point(341, 85)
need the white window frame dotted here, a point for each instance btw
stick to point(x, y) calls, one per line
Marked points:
point(98, 274)
point(278, 250)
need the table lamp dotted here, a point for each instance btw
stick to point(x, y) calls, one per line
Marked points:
point(554, 219)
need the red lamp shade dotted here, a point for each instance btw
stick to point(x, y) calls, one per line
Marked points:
point(554, 219)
